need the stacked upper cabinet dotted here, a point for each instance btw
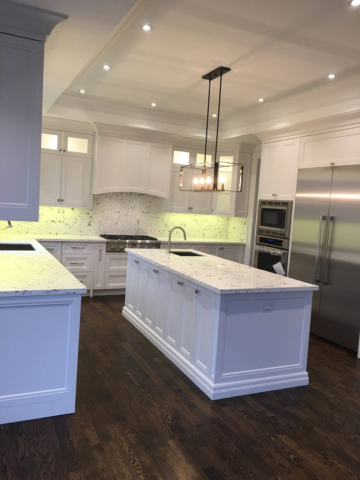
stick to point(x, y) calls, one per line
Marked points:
point(232, 204)
point(65, 169)
point(21, 88)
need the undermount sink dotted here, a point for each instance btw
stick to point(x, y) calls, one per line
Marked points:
point(186, 254)
point(16, 246)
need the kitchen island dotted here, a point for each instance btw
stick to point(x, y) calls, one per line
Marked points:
point(232, 329)
point(40, 303)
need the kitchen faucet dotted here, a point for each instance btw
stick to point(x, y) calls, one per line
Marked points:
point(171, 233)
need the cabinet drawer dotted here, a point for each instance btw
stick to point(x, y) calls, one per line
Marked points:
point(115, 280)
point(54, 248)
point(84, 278)
point(77, 263)
point(77, 247)
point(116, 262)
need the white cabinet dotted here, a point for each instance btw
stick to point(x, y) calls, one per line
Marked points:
point(54, 248)
point(132, 166)
point(279, 168)
point(21, 77)
point(78, 258)
point(115, 270)
point(322, 150)
point(185, 201)
point(232, 252)
point(156, 314)
point(73, 144)
point(99, 266)
point(65, 181)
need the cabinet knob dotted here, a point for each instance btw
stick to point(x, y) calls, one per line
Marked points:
point(136, 261)
point(156, 271)
point(197, 291)
point(180, 283)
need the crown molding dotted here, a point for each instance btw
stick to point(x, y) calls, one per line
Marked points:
point(54, 123)
point(26, 21)
point(130, 133)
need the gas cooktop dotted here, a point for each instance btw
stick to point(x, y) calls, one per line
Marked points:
point(128, 237)
point(118, 243)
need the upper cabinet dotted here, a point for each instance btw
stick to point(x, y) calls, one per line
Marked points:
point(65, 169)
point(124, 165)
point(233, 204)
point(21, 86)
point(279, 167)
point(72, 144)
point(339, 148)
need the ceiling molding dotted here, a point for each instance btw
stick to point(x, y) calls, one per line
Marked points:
point(26, 21)
point(54, 123)
point(130, 133)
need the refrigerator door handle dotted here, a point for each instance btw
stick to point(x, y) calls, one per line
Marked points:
point(327, 250)
point(317, 260)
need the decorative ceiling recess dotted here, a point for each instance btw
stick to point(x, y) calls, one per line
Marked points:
point(219, 175)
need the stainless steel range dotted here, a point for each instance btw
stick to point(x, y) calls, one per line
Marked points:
point(118, 243)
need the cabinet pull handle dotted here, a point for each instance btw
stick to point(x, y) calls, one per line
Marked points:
point(197, 291)
point(100, 255)
point(155, 271)
point(76, 263)
point(180, 283)
point(77, 248)
point(136, 261)
point(241, 178)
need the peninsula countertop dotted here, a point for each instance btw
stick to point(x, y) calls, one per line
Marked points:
point(220, 275)
point(34, 272)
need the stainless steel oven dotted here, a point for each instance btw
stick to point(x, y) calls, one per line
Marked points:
point(274, 218)
point(271, 254)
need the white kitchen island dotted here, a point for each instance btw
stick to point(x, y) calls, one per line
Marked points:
point(232, 329)
point(40, 304)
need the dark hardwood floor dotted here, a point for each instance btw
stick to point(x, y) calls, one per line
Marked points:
point(139, 417)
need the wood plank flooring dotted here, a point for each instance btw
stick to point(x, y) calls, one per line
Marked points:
point(139, 417)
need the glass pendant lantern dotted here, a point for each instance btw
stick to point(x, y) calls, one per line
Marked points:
point(212, 176)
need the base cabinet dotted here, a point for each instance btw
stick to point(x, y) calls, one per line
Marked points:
point(227, 344)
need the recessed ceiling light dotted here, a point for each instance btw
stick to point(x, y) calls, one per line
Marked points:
point(153, 104)
point(214, 115)
point(355, 3)
point(261, 100)
point(331, 76)
point(106, 67)
point(147, 27)
point(82, 91)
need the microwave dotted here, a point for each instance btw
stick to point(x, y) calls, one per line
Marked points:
point(274, 218)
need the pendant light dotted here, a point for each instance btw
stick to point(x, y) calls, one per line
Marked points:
point(217, 176)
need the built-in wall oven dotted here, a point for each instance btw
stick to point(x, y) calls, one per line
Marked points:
point(274, 218)
point(271, 249)
point(271, 254)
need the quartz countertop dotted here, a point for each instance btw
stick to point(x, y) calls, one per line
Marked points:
point(55, 238)
point(220, 275)
point(34, 272)
point(210, 241)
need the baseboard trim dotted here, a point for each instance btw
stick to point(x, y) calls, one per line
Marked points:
point(212, 390)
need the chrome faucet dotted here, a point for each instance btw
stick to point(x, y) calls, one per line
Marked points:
point(171, 233)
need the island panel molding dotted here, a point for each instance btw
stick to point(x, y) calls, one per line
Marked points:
point(228, 343)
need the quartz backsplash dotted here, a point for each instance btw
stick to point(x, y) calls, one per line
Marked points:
point(128, 213)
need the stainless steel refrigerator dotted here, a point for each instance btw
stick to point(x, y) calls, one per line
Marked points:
point(326, 249)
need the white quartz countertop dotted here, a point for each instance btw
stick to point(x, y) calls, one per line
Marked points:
point(220, 275)
point(56, 238)
point(199, 240)
point(34, 272)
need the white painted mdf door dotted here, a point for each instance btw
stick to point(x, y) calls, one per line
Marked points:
point(160, 170)
point(21, 79)
point(179, 201)
point(75, 182)
point(110, 165)
point(201, 203)
point(279, 168)
point(136, 173)
point(50, 179)
point(99, 266)
point(132, 281)
point(175, 296)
